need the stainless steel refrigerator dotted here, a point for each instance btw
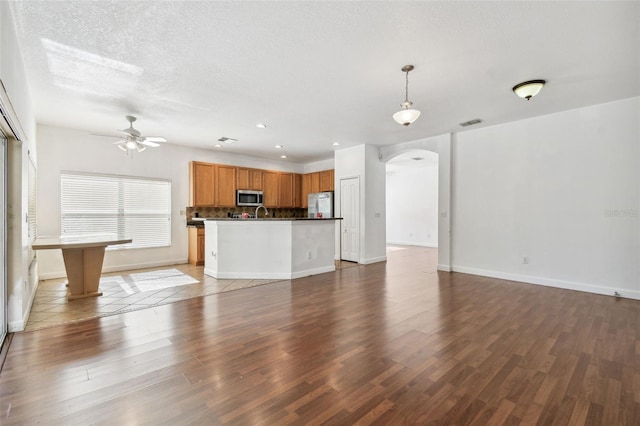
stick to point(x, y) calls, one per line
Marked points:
point(321, 205)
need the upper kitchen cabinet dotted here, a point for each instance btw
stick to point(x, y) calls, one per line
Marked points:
point(271, 182)
point(326, 180)
point(225, 186)
point(315, 183)
point(305, 190)
point(297, 190)
point(201, 184)
point(285, 190)
point(249, 179)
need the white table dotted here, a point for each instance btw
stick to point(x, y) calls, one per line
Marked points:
point(83, 257)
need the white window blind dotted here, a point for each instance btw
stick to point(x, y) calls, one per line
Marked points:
point(129, 207)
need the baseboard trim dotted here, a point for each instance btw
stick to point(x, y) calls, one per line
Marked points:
point(549, 282)
point(117, 268)
point(373, 260)
point(445, 268)
point(267, 275)
point(16, 326)
point(412, 243)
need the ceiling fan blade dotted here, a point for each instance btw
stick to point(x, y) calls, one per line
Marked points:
point(149, 143)
point(155, 139)
point(120, 142)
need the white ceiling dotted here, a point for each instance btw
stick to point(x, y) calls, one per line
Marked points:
point(318, 72)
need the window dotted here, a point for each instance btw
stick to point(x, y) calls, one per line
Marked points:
point(131, 207)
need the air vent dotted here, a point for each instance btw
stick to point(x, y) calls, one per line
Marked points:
point(471, 122)
point(227, 140)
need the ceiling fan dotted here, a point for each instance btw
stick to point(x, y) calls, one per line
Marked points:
point(134, 139)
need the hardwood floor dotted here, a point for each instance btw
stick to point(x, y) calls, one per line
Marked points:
point(394, 343)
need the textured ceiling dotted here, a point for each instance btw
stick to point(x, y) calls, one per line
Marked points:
point(318, 72)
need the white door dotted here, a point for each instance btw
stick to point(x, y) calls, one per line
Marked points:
point(350, 212)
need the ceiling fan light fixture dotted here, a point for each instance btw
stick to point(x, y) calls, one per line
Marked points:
point(528, 89)
point(122, 147)
point(407, 114)
point(131, 144)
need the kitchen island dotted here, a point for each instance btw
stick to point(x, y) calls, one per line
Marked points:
point(282, 248)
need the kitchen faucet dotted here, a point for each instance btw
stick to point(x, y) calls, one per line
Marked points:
point(266, 212)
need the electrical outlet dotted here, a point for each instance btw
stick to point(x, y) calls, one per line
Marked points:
point(525, 260)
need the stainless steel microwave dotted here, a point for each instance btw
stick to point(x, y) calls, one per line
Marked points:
point(245, 197)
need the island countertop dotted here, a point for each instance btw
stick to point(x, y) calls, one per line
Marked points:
point(198, 222)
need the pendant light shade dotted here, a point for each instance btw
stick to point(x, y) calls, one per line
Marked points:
point(528, 89)
point(406, 115)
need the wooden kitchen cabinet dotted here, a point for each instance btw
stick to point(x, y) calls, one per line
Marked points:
point(201, 184)
point(326, 180)
point(285, 195)
point(305, 190)
point(196, 246)
point(249, 179)
point(297, 190)
point(225, 186)
point(315, 183)
point(271, 182)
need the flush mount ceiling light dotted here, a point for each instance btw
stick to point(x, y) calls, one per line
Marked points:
point(528, 89)
point(279, 146)
point(261, 126)
point(283, 156)
point(406, 115)
point(336, 144)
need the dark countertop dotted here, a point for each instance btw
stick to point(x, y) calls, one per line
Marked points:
point(200, 223)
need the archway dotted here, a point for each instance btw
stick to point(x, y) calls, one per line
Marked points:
point(440, 146)
point(412, 200)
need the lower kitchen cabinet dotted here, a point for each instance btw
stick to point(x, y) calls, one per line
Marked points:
point(196, 246)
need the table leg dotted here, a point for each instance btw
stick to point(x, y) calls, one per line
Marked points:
point(84, 267)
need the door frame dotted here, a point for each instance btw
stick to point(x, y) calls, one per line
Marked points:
point(359, 207)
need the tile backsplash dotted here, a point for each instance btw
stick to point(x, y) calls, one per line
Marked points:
point(222, 212)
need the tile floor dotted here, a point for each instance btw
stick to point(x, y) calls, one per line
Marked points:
point(127, 291)
point(131, 290)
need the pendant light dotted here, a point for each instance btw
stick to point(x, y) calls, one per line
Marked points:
point(406, 115)
point(528, 89)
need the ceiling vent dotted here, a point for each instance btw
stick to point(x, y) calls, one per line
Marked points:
point(471, 122)
point(227, 140)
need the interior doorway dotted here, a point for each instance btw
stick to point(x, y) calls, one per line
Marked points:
point(412, 199)
point(350, 213)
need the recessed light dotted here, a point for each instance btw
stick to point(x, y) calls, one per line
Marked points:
point(261, 126)
point(283, 156)
point(218, 145)
point(227, 140)
point(336, 144)
point(279, 146)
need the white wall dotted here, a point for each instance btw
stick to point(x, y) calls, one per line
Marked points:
point(412, 205)
point(375, 217)
point(363, 161)
point(72, 150)
point(561, 189)
point(318, 166)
